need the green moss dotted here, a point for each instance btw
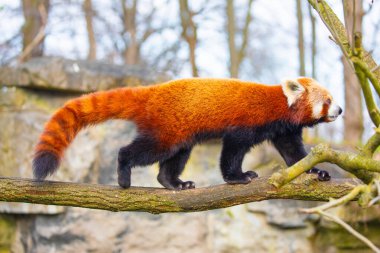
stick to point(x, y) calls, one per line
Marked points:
point(7, 233)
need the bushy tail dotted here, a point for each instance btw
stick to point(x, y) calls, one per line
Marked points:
point(76, 114)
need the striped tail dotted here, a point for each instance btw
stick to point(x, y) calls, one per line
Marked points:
point(76, 114)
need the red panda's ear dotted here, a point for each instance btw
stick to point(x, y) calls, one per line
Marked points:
point(292, 90)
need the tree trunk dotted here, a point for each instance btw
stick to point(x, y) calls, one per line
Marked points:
point(353, 121)
point(231, 39)
point(189, 33)
point(32, 26)
point(237, 54)
point(313, 44)
point(301, 46)
point(89, 13)
point(132, 50)
point(313, 55)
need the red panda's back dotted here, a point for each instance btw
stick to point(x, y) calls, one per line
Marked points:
point(177, 110)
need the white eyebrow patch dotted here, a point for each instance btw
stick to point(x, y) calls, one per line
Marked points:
point(317, 110)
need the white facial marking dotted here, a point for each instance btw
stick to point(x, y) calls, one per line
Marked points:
point(317, 110)
point(292, 90)
point(333, 112)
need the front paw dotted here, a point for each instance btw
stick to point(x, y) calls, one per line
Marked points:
point(243, 178)
point(322, 174)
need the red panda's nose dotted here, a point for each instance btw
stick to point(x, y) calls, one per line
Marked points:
point(340, 111)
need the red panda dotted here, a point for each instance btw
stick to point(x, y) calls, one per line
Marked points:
point(174, 116)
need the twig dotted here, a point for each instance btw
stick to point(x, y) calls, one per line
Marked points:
point(350, 230)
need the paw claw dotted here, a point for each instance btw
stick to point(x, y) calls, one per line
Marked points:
point(322, 174)
point(186, 185)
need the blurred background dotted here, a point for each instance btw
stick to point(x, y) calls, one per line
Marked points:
point(51, 51)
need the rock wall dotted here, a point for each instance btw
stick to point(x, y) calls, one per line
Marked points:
point(31, 92)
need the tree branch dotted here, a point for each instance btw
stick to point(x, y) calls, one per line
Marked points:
point(155, 200)
point(338, 31)
point(358, 165)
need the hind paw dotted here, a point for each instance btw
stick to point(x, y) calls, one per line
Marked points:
point(243, 178)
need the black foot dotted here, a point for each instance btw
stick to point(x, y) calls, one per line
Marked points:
point(124, 178)
point(322, 174)
point(243, 178)
point(175, 184)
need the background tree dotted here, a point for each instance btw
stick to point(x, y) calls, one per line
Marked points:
point(353, 122)
point(237, 53)
point(33, 32)
point(313, 42)
point(89, 14)
point(189, 33)
point(300, 36)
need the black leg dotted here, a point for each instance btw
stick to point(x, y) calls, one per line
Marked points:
point(142, 151)
point(233, 152)
point(171, 169)
point(292, 150)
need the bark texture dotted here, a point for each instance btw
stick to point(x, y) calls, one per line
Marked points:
point(155, 200)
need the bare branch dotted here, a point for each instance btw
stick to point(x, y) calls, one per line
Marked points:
point(350, 230)
point(338, 31)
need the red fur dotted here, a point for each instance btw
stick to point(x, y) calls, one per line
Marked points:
point(174, 111)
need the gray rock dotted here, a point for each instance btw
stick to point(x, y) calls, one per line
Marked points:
point(81, 230)
point(54, 73)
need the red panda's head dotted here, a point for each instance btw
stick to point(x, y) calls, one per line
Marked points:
point(309, 101)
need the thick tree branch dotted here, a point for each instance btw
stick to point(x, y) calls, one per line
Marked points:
point(155, 200)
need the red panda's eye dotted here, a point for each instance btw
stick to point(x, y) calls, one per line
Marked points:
point(328, 102)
